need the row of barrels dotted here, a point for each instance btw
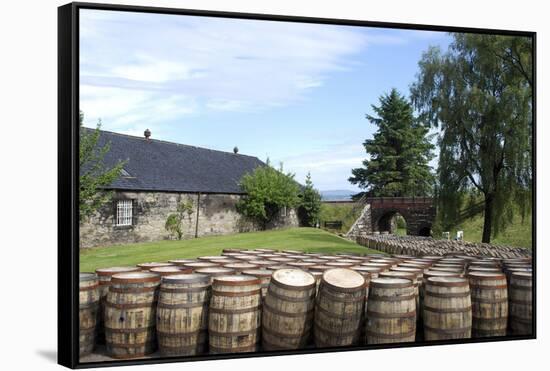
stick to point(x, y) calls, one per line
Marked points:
point(418, 245)
point(200, 306)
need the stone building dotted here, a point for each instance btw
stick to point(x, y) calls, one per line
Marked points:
point(156, 178)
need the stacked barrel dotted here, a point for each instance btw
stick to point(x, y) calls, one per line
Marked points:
point(263, 299)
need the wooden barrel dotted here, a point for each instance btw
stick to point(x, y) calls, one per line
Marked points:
point(215, 272)
point(287, 315)
point(447, 309)
point(146, 266)
point(263, 274)
point(179, 262)
point(182, 314)
point(391, 313)
point(239, 267)
point(339, 308)
point(521, 303)
point(130, 314)
point(234, 314)
point(171, 270)
point(199, 265)
point(408, 276)
point(489, 304)
point(104, 275)
point(88, 312)
point(261, 264)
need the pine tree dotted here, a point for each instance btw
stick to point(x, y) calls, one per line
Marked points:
point(399, 153)
point(311, 204)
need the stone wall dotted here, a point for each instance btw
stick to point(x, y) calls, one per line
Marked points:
point(362, 225)
point(217, 215)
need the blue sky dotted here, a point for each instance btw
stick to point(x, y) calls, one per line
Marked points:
point(296, 93)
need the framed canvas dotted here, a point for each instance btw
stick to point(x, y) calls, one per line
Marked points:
point(245, 185)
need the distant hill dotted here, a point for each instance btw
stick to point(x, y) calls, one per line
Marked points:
point(337, 195)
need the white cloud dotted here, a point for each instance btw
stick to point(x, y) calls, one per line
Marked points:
point(330, 168)
point(231, 65)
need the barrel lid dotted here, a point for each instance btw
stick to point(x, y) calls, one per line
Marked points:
point(390, 282)
point(282, 259)
point(342, 278)
point(236, 280)
point(113, 270)
point(258, 272)
point(314, 260)
point(293, 277)
point(407, 275)
point(352, 261)
point(182, 261)
point(407, 269)
point(260, 262)
point(266, 250)
point(292, 251)
point(329, 257)
point(484, 269)
point(432, 273)
point(187, 278)
point(167, 270)
point(214, 257)
point(240, 266)
point(215, 271)
point(153, 265)
point(486, 275)
point(448, 281)
point(275, 267)
point(131, 277)
point(362, 268)
point(340, 264)
point(201, 265)
point(87, 276)
point(374, 265)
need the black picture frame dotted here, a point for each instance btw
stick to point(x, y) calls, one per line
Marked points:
point(68, 144)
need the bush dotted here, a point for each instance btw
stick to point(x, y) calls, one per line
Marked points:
point(267, 191)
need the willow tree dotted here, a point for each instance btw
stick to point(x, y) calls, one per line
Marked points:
point(479, 94)
point(399, 152)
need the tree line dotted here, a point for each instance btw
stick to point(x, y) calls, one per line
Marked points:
point(476, 99)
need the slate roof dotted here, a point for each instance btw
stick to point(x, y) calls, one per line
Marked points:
point(156, 165)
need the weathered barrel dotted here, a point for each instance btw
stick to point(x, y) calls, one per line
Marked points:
point(408, 276)
point(88, 312)
point(171, 270)
point(521, 303)
point(489, 304)
point(201, 264)
point(130, 314)
point(287, 316)
point(146, 266)
point(104, 275)
point(215, 272)
point(234, 314)
point(391, 312)
point(179, 262)
point(263, 274)
point(239, 267)
point(339, 308)
point(182, 314)
point(447, 309)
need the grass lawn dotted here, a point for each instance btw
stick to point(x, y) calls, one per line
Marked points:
point(341, 212)
point(518, 234)
point(301, 239)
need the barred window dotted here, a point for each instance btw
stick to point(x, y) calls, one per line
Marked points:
point(124, 213)
point(284, 211)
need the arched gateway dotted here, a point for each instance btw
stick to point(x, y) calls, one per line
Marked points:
point(379, 212)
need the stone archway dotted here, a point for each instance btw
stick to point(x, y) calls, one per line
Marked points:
point(387, 222)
